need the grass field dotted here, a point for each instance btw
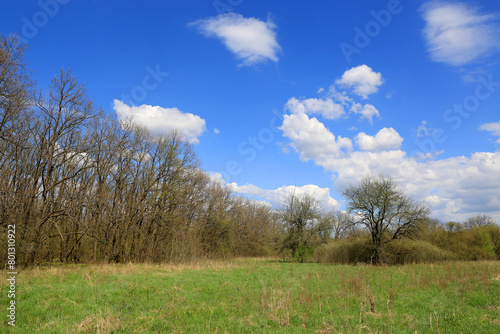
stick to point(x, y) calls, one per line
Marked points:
point(257, 296)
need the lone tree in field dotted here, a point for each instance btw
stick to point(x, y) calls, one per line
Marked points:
point(384, 209)
point(300, 215)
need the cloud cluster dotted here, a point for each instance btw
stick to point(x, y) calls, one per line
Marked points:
point(162, 121)
point(250, 39)
point(276, 196)
point(455, 187)
point(457, 33)
point(311, 138)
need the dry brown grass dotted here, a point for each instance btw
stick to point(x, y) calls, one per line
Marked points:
point(98, 324)
point(131, 268)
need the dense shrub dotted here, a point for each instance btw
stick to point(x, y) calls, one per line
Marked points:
point(395, 252)
point(480, 243)
point(345, 251)
point(404, 251)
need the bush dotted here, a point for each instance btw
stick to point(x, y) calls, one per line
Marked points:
point(345, 251)
point(490, 239)
point(404, 251)
point(480, 243)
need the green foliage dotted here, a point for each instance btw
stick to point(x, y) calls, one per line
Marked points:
point(304, 253)
point(478, 243)
point(490, 238)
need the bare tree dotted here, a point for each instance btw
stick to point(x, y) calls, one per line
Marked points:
point(383, 208)
point(339, 223)
point(300, 215)
point(453, 227)
point(479, 221)
point(251, 223)
point(16, 86)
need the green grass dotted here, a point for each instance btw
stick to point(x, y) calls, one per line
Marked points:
point(258, 296)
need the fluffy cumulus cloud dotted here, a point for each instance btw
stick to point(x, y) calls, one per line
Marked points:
point(250, 39)
point(386, 139)
point(493, 128)
point(456, 33)
point(310, 137)
point(162, 121)
point(362, 79)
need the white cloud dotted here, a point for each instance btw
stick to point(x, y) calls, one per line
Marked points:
point(311, 139)
point(385, 139)
point(216, 131)
point(327, 108)
point(162, 121)
point(216, 177)
point(367, 111)
point(250, 39)
point(494, 128)
point(457, 34)
point(362, 79)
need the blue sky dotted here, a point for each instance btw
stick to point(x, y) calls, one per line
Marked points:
point(282, 95)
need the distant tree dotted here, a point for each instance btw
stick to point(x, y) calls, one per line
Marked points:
point(478, 221)
point(339, 223)
point(453, 227)
point(300, 215)
point(383, 208)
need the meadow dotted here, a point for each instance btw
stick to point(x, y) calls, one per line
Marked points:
point(257, 296)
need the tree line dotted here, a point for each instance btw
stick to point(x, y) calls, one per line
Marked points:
point(83, 186)
point(80, 185)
